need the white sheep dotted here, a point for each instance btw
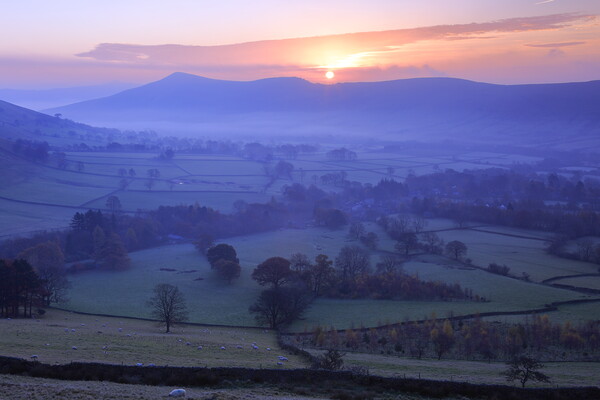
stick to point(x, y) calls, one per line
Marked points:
point(188, 344)
point(74, 347)
point(238, 347)
point(152, 365)
point(255, 347)
point(268, 349)
point(177, 393)
point(279, 363)
point(72, 330)
point(222, 347)
point(120, 329)
point(199, 347)
point(139, 364)
point(282, 358)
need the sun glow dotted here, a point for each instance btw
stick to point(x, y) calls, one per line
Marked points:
point(329, 75)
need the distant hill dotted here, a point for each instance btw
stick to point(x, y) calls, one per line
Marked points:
point(21, 123)
point(46, 98)
point(557, 114)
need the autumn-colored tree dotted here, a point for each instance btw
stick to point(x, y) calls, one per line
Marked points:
point(442, 339)
point(274, 271)
point(321, 272)
point(113, 255)
point(49, 263)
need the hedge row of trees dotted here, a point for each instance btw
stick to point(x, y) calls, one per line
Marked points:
point(472, 339)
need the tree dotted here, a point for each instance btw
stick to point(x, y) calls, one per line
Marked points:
point(432, 243)
point(204, 242)
point(356, 230)
point(284, 169)
point(351, 262)
point(113, 204)
point(331, 360)
point(113, 255)
point(407, 242)
point(227, 269)
point(299, 262)
point(525, 369)
point(168, 305)
point(49, 263)
point(274, 271)
point(221, 251)
point(320, 273)
point(390, 264)
point(280, 306)
point(442, 339)
point(456, 249)
point(370, 240)
point(99, 240)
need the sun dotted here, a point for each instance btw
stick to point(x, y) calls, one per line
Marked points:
point(329, 74)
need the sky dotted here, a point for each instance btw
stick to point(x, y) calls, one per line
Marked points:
point(62, 43)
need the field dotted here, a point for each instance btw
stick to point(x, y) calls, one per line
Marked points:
point(213, 180)
point(563, 374)
point(130, 341)
point(213, 301)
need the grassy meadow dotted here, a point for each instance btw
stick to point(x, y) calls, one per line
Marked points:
point(214, 301)
point(129, 342)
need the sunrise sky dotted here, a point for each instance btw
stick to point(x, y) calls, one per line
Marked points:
point(70, 42)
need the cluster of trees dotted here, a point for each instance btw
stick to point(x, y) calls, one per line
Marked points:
point(223, 259)
point(341, 154)
point(286, 297)
point(470, 339)
point(21, 288)
point(31, 149)
point(294, 283)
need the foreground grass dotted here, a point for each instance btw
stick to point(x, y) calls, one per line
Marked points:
point(128, 342)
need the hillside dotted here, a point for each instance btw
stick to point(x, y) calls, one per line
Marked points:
point(21, 123)
point(440, 108)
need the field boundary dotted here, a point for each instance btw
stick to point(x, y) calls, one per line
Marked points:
point(320, 380)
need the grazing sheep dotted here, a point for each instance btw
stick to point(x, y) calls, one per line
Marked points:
point(268, 349)
point(279, 363)
point(188, 344)
point(82, 324)
point(74, 347)
point(282, 358)
point(239, 347)
point(66, 329)
point(72, 330)
point(47, 344)
point(120, 329)
point(139, 364)
point(152, 365)
point(222, 347)
point(199, 347)
point(177, 393)
point(255, 347)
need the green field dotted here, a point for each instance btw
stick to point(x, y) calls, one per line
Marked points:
point(216, 302)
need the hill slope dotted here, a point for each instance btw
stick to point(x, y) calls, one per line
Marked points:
point(438, 107)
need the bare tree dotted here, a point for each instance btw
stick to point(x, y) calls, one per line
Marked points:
point(456, 249)
point(351, 262)
point(168, 305)
point(525, 369)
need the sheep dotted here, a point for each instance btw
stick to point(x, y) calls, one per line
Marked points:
point(82, 324)
point(239, 347)
point(177, 393)
point(255, 347)
point(74, 347)
point(222, 347)
point(279, 363)
point(139, 364)
point(199, 347)
point(120, 329)
point(34, 357)
point(282, 358)
point(188, 344)
point(152, 365)
point(72, 330)
point(268, 349)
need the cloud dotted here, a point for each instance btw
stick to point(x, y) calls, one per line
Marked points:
point(555, 53)
point(556, 45)
point(544, 2)
point(360, 49)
